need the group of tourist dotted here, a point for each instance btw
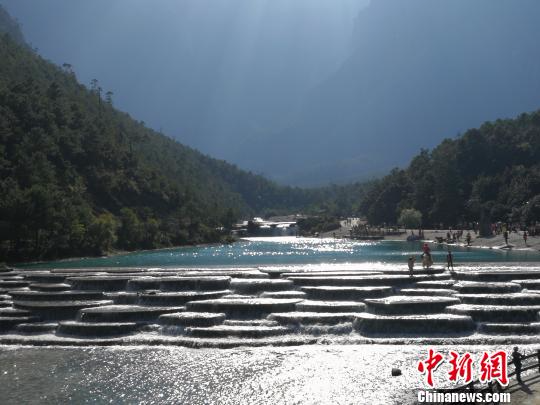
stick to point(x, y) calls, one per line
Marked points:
point(455, 237)
point(427, 259)
point(499, 228)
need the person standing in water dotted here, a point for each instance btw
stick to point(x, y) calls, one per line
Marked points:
point(468, 239)
point(505, 234)
point(410, 263)
point(525, 236)
point(516, 359)
point(427, 261)
point(450, 260)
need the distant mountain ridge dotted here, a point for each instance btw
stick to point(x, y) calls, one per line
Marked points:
point(422, 70)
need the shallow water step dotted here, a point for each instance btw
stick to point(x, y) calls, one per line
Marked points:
point(407, 304)
point(160, 298)
point(528, 284)
point(238, 331)
point(330, 306)
point(244, 308)
point(13, 284)
point(184, 319)
point(329, 273)
point(96, 329)
point(428, 291)
point(251, 322)
point(50, 287)
point(99, 283)
point(44, 277)
point(498, 275)
point(111, 270)
point(239, 297)
point(417, 271)
point(5, 304)
point(125, 313)
point(346, 293)
point(532, 328)
point(363, 281)
point(122, 297)
point(9, 273)
point(13, 312)
point(284, 294)
point(195, 283)
point(36, 327)
point(143, 283)
point(472, 287)
point(311, 318)
point(497, 313)
point(9, 323)
point(56, 295)
point(253, 286)
point(443, 284)
point(500, 299)
point(58, 310)
point(5, 297)
point(368, 324)
point(236, 273)
point(12, 277)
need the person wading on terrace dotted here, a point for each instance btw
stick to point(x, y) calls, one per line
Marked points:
point(427, 261)
point(411, 265)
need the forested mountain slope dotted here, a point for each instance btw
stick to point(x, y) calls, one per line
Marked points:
point(79, 177)
point(489, 174)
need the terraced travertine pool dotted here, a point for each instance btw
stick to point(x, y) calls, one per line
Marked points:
point(228, 307)
point(278, 326)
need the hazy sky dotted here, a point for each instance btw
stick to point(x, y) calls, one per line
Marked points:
point(202, 70)
point(303, 91)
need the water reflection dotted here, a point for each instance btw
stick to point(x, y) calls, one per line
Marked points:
point(314, 375)
point(291, 250)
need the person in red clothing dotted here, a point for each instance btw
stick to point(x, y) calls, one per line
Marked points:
point(427, 261)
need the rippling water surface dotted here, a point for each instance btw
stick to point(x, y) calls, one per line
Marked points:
point(296, 375)
point(291, 250)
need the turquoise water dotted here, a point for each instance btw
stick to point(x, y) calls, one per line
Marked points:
point(294, 251)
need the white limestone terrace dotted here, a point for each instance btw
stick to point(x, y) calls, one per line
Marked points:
point(228, 307)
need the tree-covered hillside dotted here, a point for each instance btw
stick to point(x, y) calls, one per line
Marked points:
point(489, 174)
point(79, 177)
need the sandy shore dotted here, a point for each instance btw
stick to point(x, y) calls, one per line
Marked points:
point(515, 240)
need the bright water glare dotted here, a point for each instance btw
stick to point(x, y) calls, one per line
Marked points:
point(294, 251)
